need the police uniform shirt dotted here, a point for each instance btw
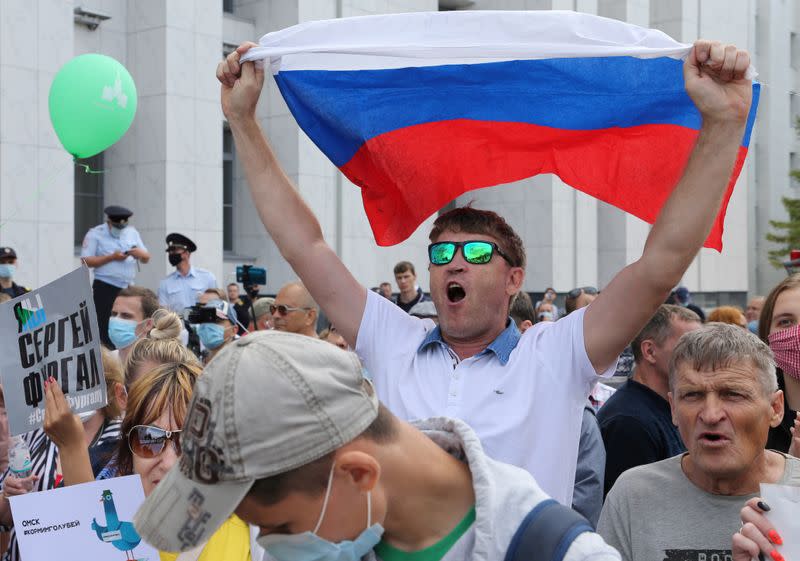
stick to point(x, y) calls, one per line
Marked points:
point(99, 242)
point(177, 292)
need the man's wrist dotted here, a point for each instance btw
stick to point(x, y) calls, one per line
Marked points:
point(723, 126)
point(244, 124)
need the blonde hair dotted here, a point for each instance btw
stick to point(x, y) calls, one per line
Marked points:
point(167, 388)
point(160, 345)
point(114, 375)
point(166, 325)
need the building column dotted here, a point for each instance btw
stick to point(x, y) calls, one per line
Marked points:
point(168, 168)
point(37, 174)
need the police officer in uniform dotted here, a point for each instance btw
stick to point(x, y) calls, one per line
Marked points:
point(8, 267)
point(181, 288)
point(113, 250)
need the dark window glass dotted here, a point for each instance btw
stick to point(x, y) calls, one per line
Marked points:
point(88, 197)
point(227, 189)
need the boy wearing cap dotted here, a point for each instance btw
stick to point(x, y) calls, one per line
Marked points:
point(113, 250)
point(8, 268)
point(284, 430)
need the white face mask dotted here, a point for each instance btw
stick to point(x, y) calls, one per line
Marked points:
point(308, 546)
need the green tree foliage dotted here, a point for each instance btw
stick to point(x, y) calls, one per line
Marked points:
point(787, 233)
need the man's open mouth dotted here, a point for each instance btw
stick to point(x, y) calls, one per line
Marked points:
point(713, 437)
point(455, 292)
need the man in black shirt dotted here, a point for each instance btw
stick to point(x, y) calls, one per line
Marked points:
point(636, 422)
point(241, 304)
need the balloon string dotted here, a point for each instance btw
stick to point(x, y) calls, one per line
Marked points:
point(88, 169)
point(45, 184)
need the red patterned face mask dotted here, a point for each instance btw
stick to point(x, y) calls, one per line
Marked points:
point(785, 344)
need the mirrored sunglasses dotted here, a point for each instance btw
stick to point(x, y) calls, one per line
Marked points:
point(477, 252)
point(284, 310)
point(148, 441)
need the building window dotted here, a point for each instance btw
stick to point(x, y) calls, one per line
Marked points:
point(227, 6)
point(88, 197)
point(794, 51)
point(227, 188)
point(228, 48)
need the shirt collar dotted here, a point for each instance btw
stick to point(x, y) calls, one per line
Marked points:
point(501, 346)
point(178, 274)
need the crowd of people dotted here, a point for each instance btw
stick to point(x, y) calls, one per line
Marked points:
point(470, 422)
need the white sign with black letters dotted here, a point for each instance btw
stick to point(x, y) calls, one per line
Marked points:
point(51, 331)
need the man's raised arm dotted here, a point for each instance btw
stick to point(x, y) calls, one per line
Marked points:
point(715, 80)
point(287, 218)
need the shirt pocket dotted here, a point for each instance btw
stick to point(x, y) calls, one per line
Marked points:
point(106, 245)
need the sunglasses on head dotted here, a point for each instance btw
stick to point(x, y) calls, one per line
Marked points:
point(477, 252)
point(575, 292)
point(284, 310)
point(147, 441)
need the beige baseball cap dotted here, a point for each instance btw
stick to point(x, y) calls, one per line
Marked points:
point(268, 403)
point(261, 306)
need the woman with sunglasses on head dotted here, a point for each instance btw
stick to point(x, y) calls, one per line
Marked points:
point(92, 436)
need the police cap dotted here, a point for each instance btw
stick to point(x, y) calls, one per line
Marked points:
point(176, 240)
point(7, 252)
point(118, 213)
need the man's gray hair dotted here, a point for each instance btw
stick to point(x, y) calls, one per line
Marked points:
point(720, 345)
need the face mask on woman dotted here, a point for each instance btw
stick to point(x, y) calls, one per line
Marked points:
point(785, 344)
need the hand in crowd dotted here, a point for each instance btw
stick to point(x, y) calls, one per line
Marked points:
point(137, 253)
point(118, 256)
point(61, 425)
point(13, 486)
point(757, 535)
point(241, 84)
point(794, 448)
point(715, 80)
point(66, 431)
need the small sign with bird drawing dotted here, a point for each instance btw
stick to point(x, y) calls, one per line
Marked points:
point(88, 522)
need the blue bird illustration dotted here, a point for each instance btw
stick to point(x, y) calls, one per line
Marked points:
point(121, 535)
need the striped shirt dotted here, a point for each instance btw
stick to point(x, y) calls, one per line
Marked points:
point(44, 460)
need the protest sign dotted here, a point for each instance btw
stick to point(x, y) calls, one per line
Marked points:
point(784, 514)
point(51, 331)
point(92, 521)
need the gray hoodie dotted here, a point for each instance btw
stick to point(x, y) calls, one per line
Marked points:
point(504, 495)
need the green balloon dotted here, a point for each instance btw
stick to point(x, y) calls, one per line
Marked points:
point(92, 104)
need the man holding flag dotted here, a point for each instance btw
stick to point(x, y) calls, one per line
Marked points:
point(523, 395)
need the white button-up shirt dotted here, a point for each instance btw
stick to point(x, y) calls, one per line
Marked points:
point(523, 395)
point(99, 241)
point(177, 292)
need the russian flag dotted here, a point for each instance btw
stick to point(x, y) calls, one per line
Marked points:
point(417, 109)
